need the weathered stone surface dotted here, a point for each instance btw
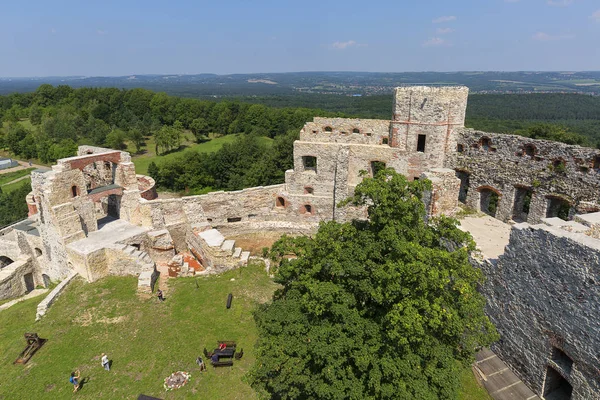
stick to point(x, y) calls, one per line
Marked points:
point(507, 163)
point(542, 296)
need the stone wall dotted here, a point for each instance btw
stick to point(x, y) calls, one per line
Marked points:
point(12, 282)
point(542, 295)
point(511, 166)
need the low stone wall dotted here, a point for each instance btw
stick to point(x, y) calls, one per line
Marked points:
point(542, 296)
point(12, 283)
point(511, 166)
point(45, 304)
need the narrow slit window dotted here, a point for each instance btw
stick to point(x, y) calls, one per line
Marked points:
point(421, 143)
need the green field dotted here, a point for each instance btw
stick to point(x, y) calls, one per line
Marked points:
point(146, 339)
point(11, 176)
point(142, 161)
point(14, 186)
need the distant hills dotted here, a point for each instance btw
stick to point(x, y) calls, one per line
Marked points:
point(343, 83)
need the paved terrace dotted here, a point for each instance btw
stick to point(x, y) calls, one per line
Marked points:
point(113, 231)
point(492, 236)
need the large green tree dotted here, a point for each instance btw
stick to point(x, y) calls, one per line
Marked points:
point(381, 309)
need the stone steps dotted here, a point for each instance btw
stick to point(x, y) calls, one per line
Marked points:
point(228, 246)
point(224, 254)
point(237, 252)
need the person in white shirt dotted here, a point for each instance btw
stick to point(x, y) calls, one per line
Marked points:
point(105, 362)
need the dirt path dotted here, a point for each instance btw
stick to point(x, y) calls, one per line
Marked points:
point(17, 180)
point(22, 165)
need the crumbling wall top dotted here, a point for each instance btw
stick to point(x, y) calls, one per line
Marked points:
point(445, 105)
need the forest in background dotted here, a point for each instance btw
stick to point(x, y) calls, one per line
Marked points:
point(51, 122)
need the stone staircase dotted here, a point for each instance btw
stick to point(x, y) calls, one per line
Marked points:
point(217, 253)
point(144, 264)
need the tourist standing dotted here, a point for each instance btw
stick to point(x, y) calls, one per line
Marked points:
point(74, 379)
point(105, 362)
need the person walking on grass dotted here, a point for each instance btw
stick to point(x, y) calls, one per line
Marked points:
point(74, 379)
point(105, 362)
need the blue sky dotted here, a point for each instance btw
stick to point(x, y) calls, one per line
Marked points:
point(89, 37)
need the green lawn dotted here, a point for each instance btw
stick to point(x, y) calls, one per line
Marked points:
point(14, 186)
point(11, 176)
point(147, 340)
point(142, 161)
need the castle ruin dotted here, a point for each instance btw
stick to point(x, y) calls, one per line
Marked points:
point(92, 215)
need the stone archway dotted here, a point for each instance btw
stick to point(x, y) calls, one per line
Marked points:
point(489, 200)
point(5, 261)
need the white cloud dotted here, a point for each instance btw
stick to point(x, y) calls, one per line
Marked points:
point(444, 31)
point(101, 32)
point(545, 37)
point(435, 41)
point(344, 45)
point(445, 18)
point(559, 3)
point(596, 16)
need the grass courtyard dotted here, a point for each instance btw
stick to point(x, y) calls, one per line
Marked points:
point(142, 161)
point(146, 339)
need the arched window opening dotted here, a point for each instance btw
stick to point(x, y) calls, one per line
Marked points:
point(522, 203)
point(355, 130)
point(280, 202)
point(74, 191)
point(530, 150)
point(597, 163)
point(4, 261)
point(464, 185)
point(558, 207)
point(559, 165)
point(328, 129)
point(377, 166)
point(489, 199)
point(368, 134)
point(486, 143)
point(306, 209)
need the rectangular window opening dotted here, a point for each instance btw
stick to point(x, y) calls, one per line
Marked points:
point(309, 163)
point(234, 219)
point(421, 143)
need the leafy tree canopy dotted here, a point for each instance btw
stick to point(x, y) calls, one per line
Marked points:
point(381, 309)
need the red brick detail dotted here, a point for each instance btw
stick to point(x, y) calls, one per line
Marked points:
point(82, 161)
point(97, 196)
point(192, 262)
point(32, 209)
point(149, 194)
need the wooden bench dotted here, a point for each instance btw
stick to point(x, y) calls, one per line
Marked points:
point(227, 363)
